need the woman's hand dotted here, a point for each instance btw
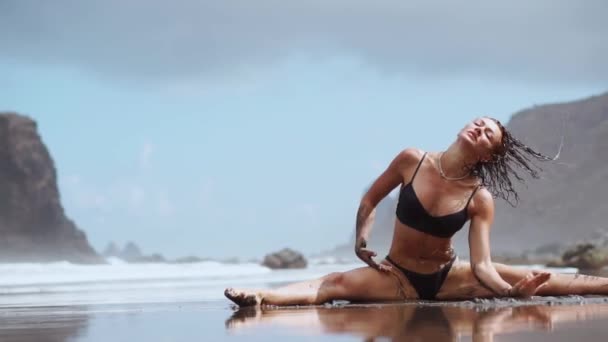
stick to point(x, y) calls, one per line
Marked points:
point(529, 285)
point(366, 255)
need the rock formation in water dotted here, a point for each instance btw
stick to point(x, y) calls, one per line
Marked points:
point(111, 250)
point(132, 253)
point(584, 256)
point(33, 225)
point(285, 258)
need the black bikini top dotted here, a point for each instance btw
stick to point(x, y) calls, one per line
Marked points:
point(411, 213)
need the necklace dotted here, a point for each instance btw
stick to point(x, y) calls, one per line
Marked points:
point(443, 175)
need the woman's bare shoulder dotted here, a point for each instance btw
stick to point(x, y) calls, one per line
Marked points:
point(482, 202)
point(410, 155)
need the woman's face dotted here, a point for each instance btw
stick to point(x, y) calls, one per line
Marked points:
point(483, 135)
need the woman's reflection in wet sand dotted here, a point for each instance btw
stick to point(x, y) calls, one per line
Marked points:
point(412, 322)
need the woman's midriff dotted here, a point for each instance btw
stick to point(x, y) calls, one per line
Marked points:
point(419, 252)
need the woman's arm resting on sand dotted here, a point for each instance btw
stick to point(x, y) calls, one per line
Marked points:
point(481, 262)
point(384, 184)
point(479, 244)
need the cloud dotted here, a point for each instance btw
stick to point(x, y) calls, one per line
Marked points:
point(164, 206)
point(207, 193)
point(135, 197)
point(308, 212)
point(145, 155)
point(546, 40)
point(117, 196)
point(84, 195)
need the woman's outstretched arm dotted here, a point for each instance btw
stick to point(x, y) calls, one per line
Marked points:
point(382, 186)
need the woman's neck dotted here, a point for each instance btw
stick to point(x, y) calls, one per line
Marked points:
point(456, 162)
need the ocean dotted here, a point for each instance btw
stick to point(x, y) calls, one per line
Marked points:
point(63, 283)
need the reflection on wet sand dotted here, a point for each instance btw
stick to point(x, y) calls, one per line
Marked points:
point(413, 322)
point(29, 325)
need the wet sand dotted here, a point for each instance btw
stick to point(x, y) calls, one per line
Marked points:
point(539, 319)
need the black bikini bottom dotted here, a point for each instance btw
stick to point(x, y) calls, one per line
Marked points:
point(426, 285)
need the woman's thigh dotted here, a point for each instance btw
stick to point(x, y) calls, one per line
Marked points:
point(368, 284)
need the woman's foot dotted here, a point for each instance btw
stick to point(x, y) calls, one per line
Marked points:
point(243, 298)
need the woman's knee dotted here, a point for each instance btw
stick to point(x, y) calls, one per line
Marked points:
point(335, 279)
point(333, 286)
point(342, 282)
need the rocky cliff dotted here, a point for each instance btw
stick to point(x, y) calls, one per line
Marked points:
point(566, 205)
point(569, 202)
point(33, 225)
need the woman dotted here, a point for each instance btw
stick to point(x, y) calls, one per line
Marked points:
point(441, 192)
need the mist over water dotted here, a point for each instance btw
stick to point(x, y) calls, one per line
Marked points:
point(63, 283)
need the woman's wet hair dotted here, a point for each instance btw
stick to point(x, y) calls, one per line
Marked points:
point(509, 159)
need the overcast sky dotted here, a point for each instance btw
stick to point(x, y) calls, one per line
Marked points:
point(238, 127)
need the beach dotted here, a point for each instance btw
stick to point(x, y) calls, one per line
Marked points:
point(154, 154)
point(184, 302)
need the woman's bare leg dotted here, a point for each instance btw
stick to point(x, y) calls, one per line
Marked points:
point(361, 284)
point(462, 284)
point(560, 283)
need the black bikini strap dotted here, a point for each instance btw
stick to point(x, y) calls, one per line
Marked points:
point(473, 194)
point(417, 167)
